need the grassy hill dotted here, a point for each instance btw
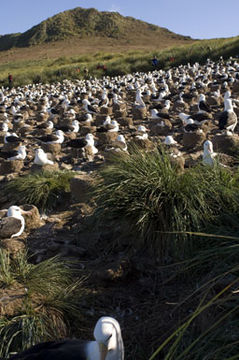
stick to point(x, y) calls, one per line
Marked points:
point(87, 23)
point(61, 46)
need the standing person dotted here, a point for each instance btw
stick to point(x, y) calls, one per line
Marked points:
point(10, 79)
point(155, 62)
point(86, 72)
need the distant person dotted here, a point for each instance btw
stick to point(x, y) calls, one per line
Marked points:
point(86, 72)
point(10, 80)
point(155, 62)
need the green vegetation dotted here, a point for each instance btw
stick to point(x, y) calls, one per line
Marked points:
point(45, 301)
point(44, 189)
point(82, 23)
point(147, 190)
point(51, 70)
point(210, 331)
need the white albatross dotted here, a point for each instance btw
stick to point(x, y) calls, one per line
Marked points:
point(208, 153)
point(41, 158)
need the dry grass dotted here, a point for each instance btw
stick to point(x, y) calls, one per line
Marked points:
point(77, 46)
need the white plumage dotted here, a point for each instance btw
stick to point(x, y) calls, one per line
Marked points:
point(41, 158)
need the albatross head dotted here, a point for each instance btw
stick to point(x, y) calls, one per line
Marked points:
point(107, 333)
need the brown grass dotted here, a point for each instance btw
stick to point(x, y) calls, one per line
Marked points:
point(76, 46)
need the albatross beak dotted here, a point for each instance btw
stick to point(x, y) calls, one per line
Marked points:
point(103, 351)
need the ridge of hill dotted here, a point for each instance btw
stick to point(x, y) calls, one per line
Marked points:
point(87, 23)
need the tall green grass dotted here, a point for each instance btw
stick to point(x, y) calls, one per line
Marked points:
point(45, 308)
point(44, 189)
point(210, 331)
point(147, 190)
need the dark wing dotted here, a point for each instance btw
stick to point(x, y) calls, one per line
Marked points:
point(163, 115)
point(8, 154)
point(157, 107)
point(48, 138)
point(13, 139)
point(200, 116)
point(223, 119)
point(65, 128)
point(204, 106)
point(90, 108)
point(77, 143)
point(101, 129)
point(191, 127)
point(62, 350)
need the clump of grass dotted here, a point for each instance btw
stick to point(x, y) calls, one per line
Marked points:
point(44, 189)
point(6, 277)
point(210, 331)
point(147, 189)
point(45, 307)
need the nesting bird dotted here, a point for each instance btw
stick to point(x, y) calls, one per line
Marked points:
point(208, 153)
point(108, 345)
point(41, 158)
point(228, 118)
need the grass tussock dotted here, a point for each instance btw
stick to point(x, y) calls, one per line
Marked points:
point(46, 301)
point(210, 331)
point(147, 189)
point(44, 190)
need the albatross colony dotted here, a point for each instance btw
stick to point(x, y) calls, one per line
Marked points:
point(78, 123)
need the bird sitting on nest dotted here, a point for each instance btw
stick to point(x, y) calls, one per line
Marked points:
point(56, 138)
point(88, 107)
point(108, 345)
point(14, 224)
point(12, 138)
point(228, 118)
point(208, 153)
point(41, 158)
point(169, 140)
point(19, 154)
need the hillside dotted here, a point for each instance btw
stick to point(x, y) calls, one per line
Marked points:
point(88, 23)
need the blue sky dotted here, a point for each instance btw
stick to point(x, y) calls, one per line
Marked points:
point(196, 18)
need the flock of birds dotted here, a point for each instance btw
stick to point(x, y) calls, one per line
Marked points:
point(83, 120)
point(80, 122)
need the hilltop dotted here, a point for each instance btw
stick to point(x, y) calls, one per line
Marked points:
point(73, 28)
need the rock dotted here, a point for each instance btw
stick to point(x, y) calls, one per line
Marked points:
point(11, 166)
point(80, 186)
